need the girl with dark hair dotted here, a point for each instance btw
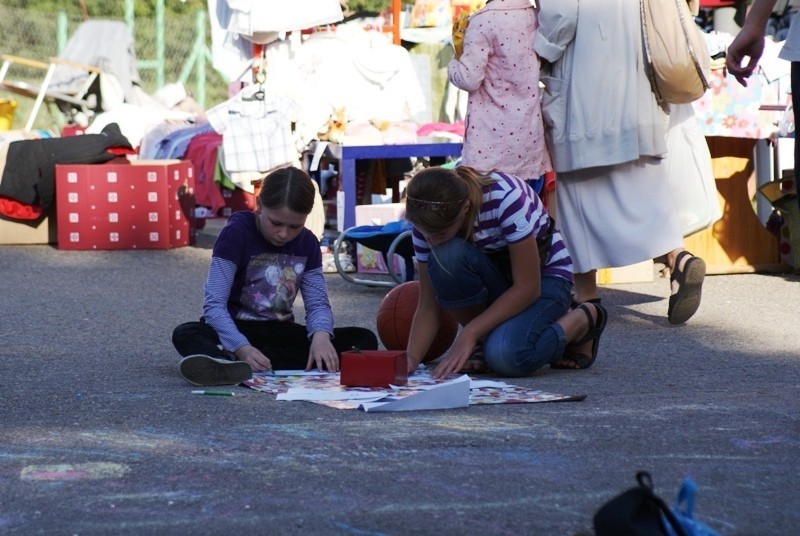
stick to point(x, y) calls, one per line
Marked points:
point(489, 253)
point(260, 261)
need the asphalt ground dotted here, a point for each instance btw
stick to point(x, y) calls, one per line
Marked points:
point(100, 435)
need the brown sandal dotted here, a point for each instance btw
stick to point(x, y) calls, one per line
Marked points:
point(685, 302)
point(583, 361)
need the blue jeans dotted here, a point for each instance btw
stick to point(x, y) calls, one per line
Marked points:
point(464, 276)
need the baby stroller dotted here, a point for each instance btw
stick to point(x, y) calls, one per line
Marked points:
point(393, 238)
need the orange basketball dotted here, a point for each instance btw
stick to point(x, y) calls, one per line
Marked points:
point(395, 314)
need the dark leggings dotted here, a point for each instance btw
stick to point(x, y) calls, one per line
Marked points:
point(286, 344)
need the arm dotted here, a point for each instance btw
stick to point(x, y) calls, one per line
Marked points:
point(215, 311)
point(558, 22)
point(319, 321)
point(425, 324)
point(525, 289)
point(749, 41)
point(469, 70)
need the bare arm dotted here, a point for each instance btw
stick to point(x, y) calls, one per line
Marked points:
point(749, 42)
point(426, 321)
point(525, 290)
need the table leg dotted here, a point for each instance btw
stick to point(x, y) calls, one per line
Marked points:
point(348, 186)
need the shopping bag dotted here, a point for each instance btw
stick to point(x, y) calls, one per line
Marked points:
point(691, 177)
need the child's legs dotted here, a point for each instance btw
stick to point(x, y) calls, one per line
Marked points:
point(285, 344)
point(531, 339)
point(463, 276)
point(197, 338)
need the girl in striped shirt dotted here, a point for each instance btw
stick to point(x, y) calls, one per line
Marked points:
point(489, 253)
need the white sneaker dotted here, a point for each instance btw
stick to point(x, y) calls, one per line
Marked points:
point(204, 370)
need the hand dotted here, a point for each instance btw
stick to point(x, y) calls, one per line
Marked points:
point(456, 357)
point(459, 29)
point(413, 363)
point(748, 43)
point(322, 354)
point(253, 357)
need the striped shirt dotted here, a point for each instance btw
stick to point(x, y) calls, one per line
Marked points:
point(510, 212)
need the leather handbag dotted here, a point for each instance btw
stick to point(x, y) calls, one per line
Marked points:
point(676, 57)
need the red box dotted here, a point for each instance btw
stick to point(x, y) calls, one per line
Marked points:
point(374, 368)
point(236, 200)
point(140, 205)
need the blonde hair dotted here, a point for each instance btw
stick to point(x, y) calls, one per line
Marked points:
point(435, 197)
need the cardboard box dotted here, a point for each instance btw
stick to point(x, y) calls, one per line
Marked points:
point(141, 205)
point(374, 368)
point(370, 261)
point(28, 232)
point(641, 272)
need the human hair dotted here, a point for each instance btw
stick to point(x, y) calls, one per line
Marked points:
point(288, 187)
point(436, 195)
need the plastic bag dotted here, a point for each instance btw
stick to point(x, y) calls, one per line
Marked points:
point(684, 512)
point(691, 177)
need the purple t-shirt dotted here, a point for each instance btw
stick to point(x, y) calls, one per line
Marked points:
point(267, 277)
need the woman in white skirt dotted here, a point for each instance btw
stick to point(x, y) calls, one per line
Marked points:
point(607, 137)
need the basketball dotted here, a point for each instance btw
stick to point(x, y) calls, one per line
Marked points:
point(395, 314)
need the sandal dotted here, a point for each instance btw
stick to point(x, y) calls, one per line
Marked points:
point(583, 361)
point(686, 300)
point(574, 304)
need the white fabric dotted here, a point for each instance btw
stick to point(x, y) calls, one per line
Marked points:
point(231, 54)
point(256, 132)
point(352, 69)
point(251, 17)
point(598, 106)
point(617, 215)
point(135, 121)
point(607, 134)
point(691, 176)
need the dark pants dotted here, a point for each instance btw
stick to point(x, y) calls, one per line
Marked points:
point(286, 344)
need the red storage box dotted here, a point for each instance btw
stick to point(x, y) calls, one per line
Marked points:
point(374, 368)
point(141, 205)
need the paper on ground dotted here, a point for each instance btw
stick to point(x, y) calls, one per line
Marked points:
point(480, 384)
point(312, 372)
point(448, 395)
point(314, 395)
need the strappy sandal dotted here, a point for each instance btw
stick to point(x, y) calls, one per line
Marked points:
point(574, 304)
point(685, 302)
point(583, 361)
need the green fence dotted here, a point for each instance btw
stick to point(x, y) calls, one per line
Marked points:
point(37, 36)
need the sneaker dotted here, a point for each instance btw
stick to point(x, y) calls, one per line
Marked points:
point(204, 370)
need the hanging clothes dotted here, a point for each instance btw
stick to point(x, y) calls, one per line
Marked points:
point(202, 153)
point(256, 128)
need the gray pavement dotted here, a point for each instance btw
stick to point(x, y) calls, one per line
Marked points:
point(100, 435)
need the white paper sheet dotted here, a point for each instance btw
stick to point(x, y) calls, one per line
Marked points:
point(480, 384)
point(312, 395)
point(312, 372)
point(448, 395)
